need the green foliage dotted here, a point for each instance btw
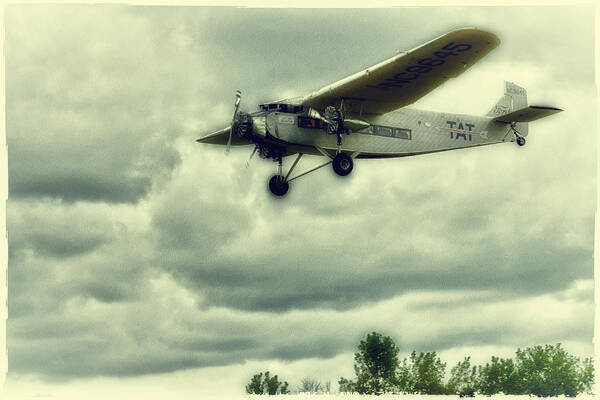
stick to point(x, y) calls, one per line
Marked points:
point(586, 376)
point(463, 379)
point(499, 376)
point(541, 371)
point(347, 386)
point(265, 384)
point(427, 373)
point(550, 371)
point(375, 365)
point(405, 380)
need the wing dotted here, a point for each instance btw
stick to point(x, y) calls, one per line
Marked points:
point(406, 77)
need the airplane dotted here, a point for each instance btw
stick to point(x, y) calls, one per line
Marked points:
point(363, 115)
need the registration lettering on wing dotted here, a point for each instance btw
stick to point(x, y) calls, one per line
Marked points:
point(423, 66)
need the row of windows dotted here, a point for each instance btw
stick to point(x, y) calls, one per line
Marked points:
point(388, 131)
point(378, 130)
point(286, 108)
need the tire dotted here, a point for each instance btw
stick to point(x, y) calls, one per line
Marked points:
point(342, 164)
point(278, 186)
point(521, 141)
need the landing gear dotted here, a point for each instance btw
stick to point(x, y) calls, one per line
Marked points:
point(278, 185)
point(342, 164)
point(520, 139)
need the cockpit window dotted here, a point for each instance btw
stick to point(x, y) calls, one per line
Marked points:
point(283, 107)
point(311, 123)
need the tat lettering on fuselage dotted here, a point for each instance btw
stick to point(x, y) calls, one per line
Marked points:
point(459, 130)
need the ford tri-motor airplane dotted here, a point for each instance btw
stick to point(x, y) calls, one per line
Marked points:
point(363, 115)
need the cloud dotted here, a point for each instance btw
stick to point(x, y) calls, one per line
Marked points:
point(89, 104)
point(422, 226)
point(54, 231)
point(165, 332)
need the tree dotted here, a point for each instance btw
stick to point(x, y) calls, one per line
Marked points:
point(586, 376)
point(375, 366)
point(328, 387)
point(265, 384)
point(405, 380)
point(310, 385)
point(427, 373)
point(551, 371)
point(463, 379)
point(346, 386)
point(499, 376)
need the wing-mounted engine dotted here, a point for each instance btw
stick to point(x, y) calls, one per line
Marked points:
point(334, 119)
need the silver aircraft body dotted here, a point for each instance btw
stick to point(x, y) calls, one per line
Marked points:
point(364, 115)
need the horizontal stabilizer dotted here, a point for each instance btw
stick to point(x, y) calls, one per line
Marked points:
point(527, 114)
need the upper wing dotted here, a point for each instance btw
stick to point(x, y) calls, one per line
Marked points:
point(406, 77)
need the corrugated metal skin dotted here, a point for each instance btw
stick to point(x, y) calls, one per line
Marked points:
point(430, 132)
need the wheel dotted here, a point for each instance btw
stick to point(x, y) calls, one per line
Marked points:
point(278, 186)
point(521, 141)
point(342, 164)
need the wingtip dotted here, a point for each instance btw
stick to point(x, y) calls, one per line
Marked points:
point(490, 36)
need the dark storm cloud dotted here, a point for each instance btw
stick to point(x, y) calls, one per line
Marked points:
point(88, 104)
point(54, 231)
point(59, 252)
point(135, 342)
point(277, 284)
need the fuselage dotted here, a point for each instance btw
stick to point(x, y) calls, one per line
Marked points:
point(400, 133)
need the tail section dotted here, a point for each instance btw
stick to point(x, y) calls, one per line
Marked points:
point(515, 98)
point(512, 109)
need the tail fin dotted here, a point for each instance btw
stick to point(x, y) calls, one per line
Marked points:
point(515, 98)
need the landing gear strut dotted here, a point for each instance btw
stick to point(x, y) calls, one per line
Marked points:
point(520, 139)
point(279, 184)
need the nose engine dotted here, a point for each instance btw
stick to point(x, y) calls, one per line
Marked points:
point(242, 124)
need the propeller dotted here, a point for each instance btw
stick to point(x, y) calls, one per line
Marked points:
point(252, 155)
point(238, 98)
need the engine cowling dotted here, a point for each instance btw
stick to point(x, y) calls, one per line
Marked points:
point(334, 119)
point(242, 125)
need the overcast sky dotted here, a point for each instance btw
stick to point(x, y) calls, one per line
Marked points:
point(143, 262)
